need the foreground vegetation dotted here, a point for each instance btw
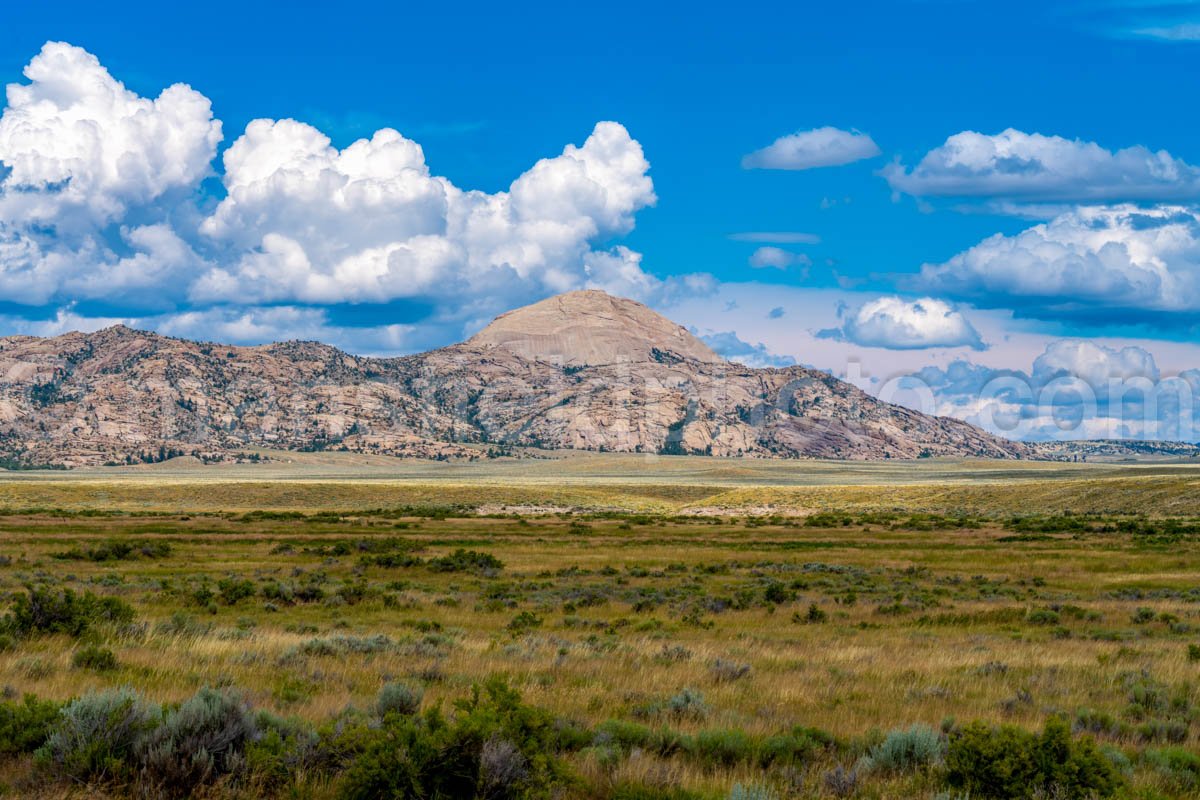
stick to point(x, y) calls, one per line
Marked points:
point(432, 652)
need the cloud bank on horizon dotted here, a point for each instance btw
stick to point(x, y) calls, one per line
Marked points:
point(116, 207)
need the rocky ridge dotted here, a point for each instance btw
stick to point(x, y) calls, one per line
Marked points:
point(582, 370)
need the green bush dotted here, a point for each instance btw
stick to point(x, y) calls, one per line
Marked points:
point(721, 748)
point(798, 747)
point(623, 734)
point(42, 610)
point(99, 659)
point(776, 593)
point(523, 623)
point(232, 591)
point(284, 750)
point(1178, 766)
point(24, 726)
point(116, 551)
point(466, 561)
point(1010, 762)
point(493, 747)
point(1043, 616)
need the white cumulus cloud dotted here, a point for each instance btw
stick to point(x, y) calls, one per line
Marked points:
point(81, 149)
point(1094, 364)
point(80, 154)
point(371, 223)
point(899, 324)
point(1029, 166)
point(820, 147)
point(1085, 261)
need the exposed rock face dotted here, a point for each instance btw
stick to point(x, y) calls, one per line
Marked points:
point(583, 370)
point(591, 328)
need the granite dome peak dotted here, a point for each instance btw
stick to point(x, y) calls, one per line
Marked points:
point(590, 327)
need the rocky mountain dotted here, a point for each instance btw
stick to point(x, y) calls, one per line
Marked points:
point(581, 370)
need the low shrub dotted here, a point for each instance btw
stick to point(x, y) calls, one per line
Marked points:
point(721, 748)
point(724, 671)
point(1177, 766)
point(96, 736)
point(342, 645)
point(41, 611)
point(788, 749)
point(466, 561)
point(523, 623)
point(742, 792)
point(198, 742)
point(688, 704)
point(1010, 762)
point(24, 726)
point(493, 747)
point(232, 591)
point(99, 659)
point(397, 698)
point(623, 734)
point(840, 781)
point(906, 750)
point(116, 551)
point(814, 616)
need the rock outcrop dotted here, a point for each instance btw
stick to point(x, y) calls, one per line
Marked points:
point(582, 370)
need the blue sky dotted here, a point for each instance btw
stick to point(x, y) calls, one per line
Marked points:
point(967, 183)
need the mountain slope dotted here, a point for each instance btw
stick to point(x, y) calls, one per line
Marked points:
point(582, 370)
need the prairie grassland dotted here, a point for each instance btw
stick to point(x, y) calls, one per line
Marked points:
point(851, 623)
point(315, 482)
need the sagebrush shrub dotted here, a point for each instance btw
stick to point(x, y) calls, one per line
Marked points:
point(904, 750)
point(743, 792)
point(201, 740)
point(397, 698)
point(502, 768)
point(724, 671)
point(841, 782)
point(97, 734)
point(688, 704)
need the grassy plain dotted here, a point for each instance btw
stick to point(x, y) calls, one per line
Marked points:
point(852, 598)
